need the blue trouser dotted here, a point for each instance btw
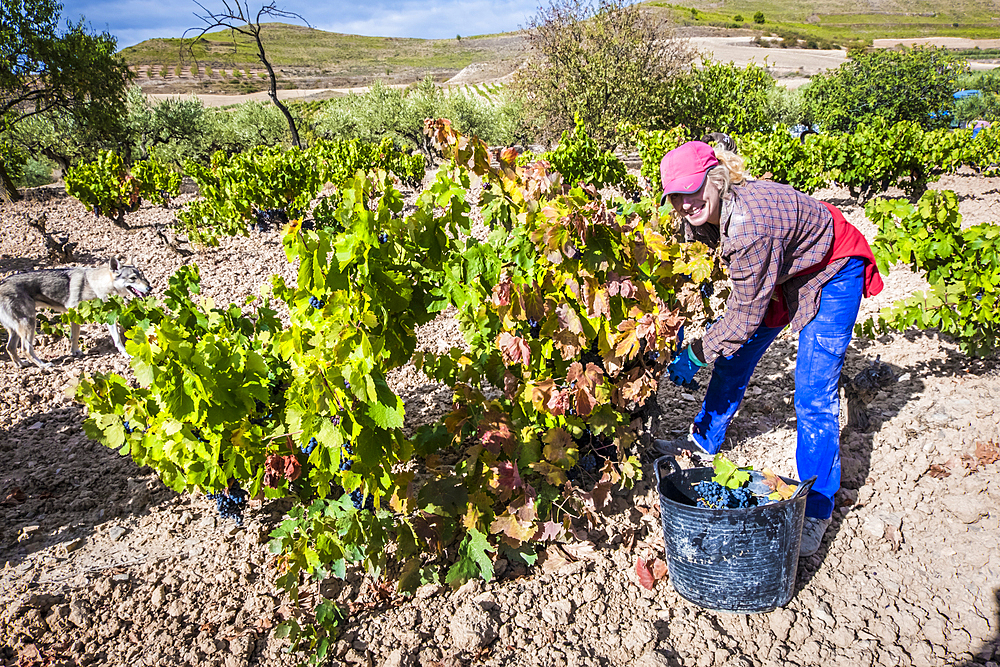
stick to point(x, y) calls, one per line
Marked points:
point(822, 348)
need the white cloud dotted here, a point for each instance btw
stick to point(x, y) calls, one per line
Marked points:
point(133, 21)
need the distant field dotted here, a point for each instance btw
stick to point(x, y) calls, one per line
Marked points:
point(839, 20)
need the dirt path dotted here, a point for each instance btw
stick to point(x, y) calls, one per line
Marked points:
point(104, 566)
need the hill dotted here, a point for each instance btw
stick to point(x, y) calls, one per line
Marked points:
point(308, 58)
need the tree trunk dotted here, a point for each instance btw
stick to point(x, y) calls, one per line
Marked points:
point(8, 191)
point(272, 91)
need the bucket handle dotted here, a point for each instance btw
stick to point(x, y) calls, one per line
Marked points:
point(669, 460)
point(803, 487)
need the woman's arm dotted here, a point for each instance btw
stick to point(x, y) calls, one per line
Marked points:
point(754, 263)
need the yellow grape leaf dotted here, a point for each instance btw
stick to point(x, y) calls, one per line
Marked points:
point(780, 490)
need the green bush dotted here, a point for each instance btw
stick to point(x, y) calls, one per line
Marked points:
point(914, 85)
point(179, 130)
point(35, 172)
point(249, 125)
point(758, 18)
point(398, 114)
point(580, 160)
point(718, 97)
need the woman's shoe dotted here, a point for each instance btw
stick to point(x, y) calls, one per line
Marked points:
point(812, 535)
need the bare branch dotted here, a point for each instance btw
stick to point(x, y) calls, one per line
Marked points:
point(236, 19)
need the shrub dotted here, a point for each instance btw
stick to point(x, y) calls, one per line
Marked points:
point(718, 97)
point(912, 84)
point(384, 112)
point(758, 18)
point(178, 129)
point(738, 18)
point(248, 125)
point(608, 62)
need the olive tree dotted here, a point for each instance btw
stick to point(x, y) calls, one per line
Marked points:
point(606, 62)
point(68, 76)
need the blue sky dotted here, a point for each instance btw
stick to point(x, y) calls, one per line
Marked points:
point(133, 21)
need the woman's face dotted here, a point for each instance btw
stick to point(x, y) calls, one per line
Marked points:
point(699, 207)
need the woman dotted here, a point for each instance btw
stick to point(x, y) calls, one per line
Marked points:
point(792, 260)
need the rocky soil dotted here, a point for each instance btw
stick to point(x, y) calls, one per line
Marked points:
point(102, 565)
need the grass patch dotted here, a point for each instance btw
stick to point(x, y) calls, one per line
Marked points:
point(838, 21)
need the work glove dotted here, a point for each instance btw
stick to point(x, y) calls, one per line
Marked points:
point(683, 367)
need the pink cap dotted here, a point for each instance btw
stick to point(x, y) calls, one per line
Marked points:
point(683, 169)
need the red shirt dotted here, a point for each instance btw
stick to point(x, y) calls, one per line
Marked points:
point(847, 242)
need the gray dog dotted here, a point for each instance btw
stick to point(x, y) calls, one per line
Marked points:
point(60, 290)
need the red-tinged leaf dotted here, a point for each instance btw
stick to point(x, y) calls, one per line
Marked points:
point(559, 448)
point(496, 432)
point(278, 467)
point(645, 328)
point(500, 296)
point(293, 469)
point(515, 350)
point(550, 530)
point(595, 297)
point(569, 344)
point(508, 479)
point(659, 569)
point(568, 319)
point(574, 372)
point(584, 400)
point(525, 511)
point(541, 393)
point(621, 286)
point(646, 578)
point(559, 402)
point(635, 387)
point(510, 526)
point(780, 489)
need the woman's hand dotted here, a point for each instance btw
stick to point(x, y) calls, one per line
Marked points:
point(683, 367)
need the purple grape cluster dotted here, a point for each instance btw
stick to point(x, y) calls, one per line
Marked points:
point(383, 238)
point(316, 303)
point(308, 449)
point(231, 502)
point(713, 495)
point(269, 217)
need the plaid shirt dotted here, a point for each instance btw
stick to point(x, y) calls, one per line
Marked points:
point(768, 232)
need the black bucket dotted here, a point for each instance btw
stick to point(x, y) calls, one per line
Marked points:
point(737, 560)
